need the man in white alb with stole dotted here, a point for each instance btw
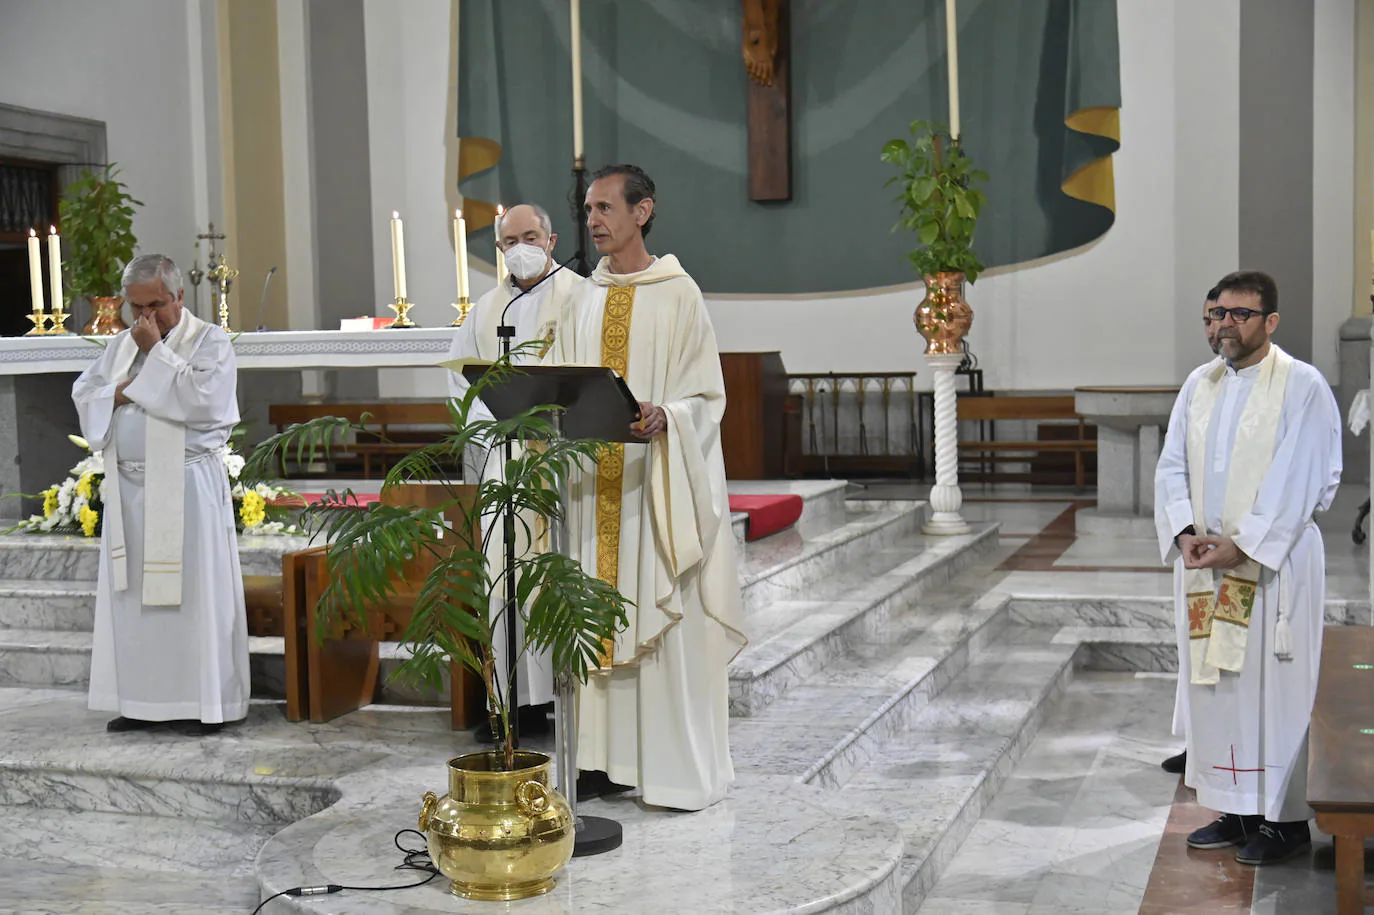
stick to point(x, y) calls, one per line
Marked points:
point(536, 292)
point(171, 635)
point(1252, 452)
point(653, 519)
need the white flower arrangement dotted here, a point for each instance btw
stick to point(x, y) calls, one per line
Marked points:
point(77, 504)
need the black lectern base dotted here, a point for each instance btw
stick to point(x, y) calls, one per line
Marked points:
point(596, 835)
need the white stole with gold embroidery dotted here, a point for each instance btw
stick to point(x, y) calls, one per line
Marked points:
point(1219, 618)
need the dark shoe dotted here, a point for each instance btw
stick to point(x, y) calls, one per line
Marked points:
point(1227, 829)
point(1175, 765)
point(207, 728)
point(1276, 842)
point(595, 783)
point(121, 724)
point(534, 722)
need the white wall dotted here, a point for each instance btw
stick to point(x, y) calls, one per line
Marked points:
point(1123, 310)
point(128, 64)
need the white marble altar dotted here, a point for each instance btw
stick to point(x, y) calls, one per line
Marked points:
point(1130, 432)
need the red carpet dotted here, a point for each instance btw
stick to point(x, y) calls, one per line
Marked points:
point(360, 499)
point(767, 514)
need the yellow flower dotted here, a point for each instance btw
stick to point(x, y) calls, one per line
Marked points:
point(49, 502)
point(89, 519)
point(254, 509)
point(83, 486)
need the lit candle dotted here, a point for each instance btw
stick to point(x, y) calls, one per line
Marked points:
point(576, 29)
point(35, 272)
point(501, 272)
point(398, 256)
point(460, 253)
point(55, 267)
point(952, 55)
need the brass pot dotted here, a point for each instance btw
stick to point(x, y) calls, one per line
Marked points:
point(105, 318)
point(943, 317)
point(498, 835)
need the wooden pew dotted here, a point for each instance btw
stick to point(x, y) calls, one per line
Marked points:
point(384, 418)
point(1078, 438)
point(1340, 762)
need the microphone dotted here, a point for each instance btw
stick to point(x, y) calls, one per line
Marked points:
point(263, 301)
point(506, 331)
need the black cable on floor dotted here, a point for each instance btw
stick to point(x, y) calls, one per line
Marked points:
point(416, 859)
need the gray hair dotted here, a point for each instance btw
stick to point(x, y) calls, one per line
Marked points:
point(147, 267)
point(540, 214)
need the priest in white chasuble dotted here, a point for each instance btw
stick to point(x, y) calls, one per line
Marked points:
point(1253, 451)
point(171, 635)
point(653, 518)
point(531, 300)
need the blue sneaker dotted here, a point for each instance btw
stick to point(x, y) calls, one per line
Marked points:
point(1276, 842)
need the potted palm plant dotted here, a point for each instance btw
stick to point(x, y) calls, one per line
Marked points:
point(97, 222)
point(503, 794)
point(940, 203)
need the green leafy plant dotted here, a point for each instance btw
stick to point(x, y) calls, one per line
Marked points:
point(565, 610)
point(939, 198)
point(97, 228)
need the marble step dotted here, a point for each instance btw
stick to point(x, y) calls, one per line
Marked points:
point(61, 861)
point(1123, 649)
point(823, 501)
point(1135, 612)
point(800, 633)
point(53, 557)
point(44, 658)
point(791, 562)
point(835, 721)
point(936, 777)
point(67, 606)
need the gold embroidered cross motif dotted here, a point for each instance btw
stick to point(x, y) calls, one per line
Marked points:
point(610, 469)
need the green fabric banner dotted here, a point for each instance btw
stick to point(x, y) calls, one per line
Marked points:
point(665, 88)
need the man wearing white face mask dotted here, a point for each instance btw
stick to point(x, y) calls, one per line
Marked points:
point(536, 292)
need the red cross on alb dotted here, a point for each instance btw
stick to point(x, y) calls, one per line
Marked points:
point(1232, 768)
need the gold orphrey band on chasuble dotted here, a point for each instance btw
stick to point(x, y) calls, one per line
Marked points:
point(610, 469)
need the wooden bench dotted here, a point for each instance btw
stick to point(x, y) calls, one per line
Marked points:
point(385, 444)
point(1079, 439)
point(1340, 763)
point(329, 677)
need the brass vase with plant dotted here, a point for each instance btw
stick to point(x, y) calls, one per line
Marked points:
point(505, 795)
point(940, 203)
point(97, 214)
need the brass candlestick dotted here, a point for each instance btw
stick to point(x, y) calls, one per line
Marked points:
point(40, 323)
point(402, 309)
point(57, 321)
point(463, 306)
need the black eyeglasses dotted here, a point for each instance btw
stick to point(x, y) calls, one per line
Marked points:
point(1240, 315)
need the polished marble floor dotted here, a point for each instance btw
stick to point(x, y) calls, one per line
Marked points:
point(933, 687)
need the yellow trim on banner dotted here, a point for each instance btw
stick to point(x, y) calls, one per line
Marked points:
point(1096, 181)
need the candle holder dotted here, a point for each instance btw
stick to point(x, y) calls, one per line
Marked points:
point(464, 308)
point(402, 309)
point(57, 322)
point(40, 323)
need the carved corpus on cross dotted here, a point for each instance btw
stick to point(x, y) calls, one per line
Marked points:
point(767, 59)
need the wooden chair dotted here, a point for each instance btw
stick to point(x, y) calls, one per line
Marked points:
point(1340, 765)
point(335, 674)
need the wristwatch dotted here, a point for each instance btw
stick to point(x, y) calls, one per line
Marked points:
point(1190, 530)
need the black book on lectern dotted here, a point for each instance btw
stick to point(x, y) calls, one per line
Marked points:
point(596, 401)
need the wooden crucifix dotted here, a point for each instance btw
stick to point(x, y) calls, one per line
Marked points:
point(768, 60)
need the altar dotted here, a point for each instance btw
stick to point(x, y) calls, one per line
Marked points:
point(36, 375)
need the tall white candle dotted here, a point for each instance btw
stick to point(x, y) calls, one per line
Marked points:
point(501, 271)
point(398, 256)
point(952, 55)
point(55, 267)
point(576, 29)
point(35, 271)
point(460, 253)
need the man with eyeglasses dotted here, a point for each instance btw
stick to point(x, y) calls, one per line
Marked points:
point(1175, 764)
point(1252, 452)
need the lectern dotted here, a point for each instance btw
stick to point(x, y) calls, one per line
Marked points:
point(596, 404)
